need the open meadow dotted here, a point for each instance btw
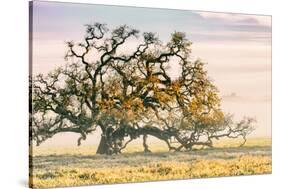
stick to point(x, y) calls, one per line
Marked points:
point(151, 94)
point(74, 166)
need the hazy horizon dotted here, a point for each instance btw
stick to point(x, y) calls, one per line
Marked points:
point(236, 48)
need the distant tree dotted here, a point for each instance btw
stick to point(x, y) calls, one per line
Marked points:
point(131, 93)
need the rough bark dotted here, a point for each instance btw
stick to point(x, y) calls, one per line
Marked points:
point(103, 147)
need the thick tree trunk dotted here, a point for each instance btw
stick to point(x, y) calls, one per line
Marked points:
point(103, 147)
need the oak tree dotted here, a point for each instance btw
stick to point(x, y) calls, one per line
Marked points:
point(152, 89)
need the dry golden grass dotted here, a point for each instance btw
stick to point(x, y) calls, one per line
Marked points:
point(72, 167)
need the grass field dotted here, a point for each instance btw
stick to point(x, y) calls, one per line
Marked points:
point(73, 166)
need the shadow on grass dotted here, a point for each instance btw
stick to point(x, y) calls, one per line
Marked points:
point(135, 158)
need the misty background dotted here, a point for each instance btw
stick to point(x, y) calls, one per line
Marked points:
point(236, 48)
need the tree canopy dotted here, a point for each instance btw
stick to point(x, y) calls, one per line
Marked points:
point(155, 89)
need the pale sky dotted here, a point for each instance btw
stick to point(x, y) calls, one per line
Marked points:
point(236, 48)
